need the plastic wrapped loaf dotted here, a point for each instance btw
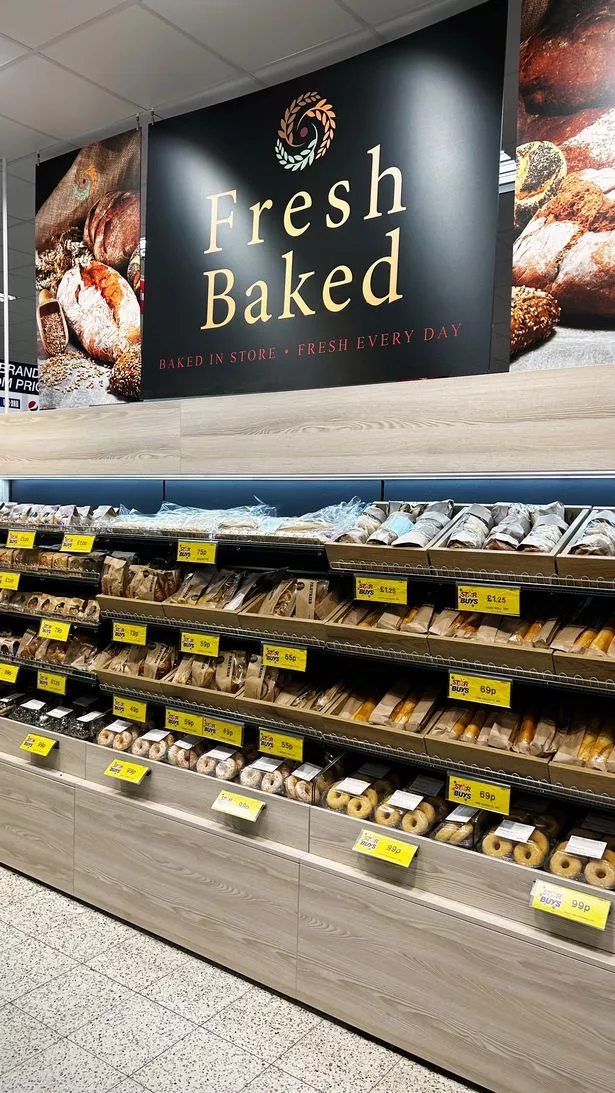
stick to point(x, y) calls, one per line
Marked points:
point(598, 535)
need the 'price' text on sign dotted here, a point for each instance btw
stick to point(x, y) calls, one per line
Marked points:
point(381, 846)
point(280, 744)
point(571, 904)
point(381, 590)
point(130, 633)
point(193, 551)
point(285, 656)
point(494, 601)
point(466, 791)
point(491, 692)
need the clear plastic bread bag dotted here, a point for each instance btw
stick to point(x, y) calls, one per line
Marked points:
point(222, 762)
point(585, 856)
point(268, 774)
point(416, 809)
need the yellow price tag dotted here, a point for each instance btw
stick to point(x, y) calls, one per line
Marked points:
point(126, 771)
point(130, 708)
point(285, 656)
point(179, 721)
point(233, 804)
point(569, 903)
point(77, 544)
point(385, 848)
point(486, 795)
point(491, 601)
point(381, 589)
point(58, 631)
point(8, 673)
point(189, 550)
point(277, 743)
point(207, 645)
point(9, 580)
point(492, 692)
point(49, 681)
point(37, 745)
point(130, 633)
point(23, 539)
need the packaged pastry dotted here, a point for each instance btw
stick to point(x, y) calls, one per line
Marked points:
point(267, 774)
point(261, 682)
point(87, 725)
point(281, 599)
point(512, 524)
point(545, 534)
point(185, 752)
point(151, 582)
point(114, 578)
point(30, 711)
point(192, 588)
point(231, 670)
point(503, 728)
point(9, 644)
point(603, 645)
point(398, 523)
point(220, 591)
point(106, 735)
point(461, 827)
point(536, 734)
point(598, 535)
point(428, 525)
point(309, 782)
point(8, 702)
point(417, 620)
point(585, 856)
point(55, 719)
point(416, 809)
point(520, 838)
point(154, 744)
point(472, 529)
point(221, 762)
point(579, 742)
point(159, 660)
point(360, 795)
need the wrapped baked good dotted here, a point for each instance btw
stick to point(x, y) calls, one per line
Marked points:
point(504, 726)
point(56, 719)
point(267, 774)
point(472, 529)
point(428, 525)
point(281, 599)
point(461, 827)
point(603, 645)
point(261, 681)
point(512, 524)
point(30, 711)
point(231, 670)
point(185, 753)
point(520, 837)
point(585, 856)
point(159, 660)
point(360, 795)
point(398, 523)
point(152, 582)
point(598, 535)
point(221, 762)
point(9, 645)
point(415, 809)
point(29, 645)
point(576, 744)
point(545, 535)
point(309, 782)
point(114, 578)
point(192, 588)
point(417, 620)
point(223, 586)
point(87, 725)
point(154, 744)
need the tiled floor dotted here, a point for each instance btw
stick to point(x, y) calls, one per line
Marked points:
point(90, 1005)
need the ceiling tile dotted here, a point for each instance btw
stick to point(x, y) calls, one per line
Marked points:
point(255, 33)
point(33, 22)
point(220, 92)
point(140, 57)
point(16, 140)
point(318, 57)
point(20, 196)
point(21, 236)
point(23, 167)
point(9, 50)
point(381, 12)
point(54, 100)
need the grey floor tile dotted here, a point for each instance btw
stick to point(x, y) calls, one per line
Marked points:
point(129, 1086)
point(73, 999)
point(9, 936)
point(197, 990)
point(273, 1080)
point(14, 887)
point(62, 1068)
point(201, 1063)
point(131, 1034)
point(21, 1037)
point(263, 1023)
point(411, 1077)
point(27, 964)
point(334, 1060)
point(139, 961)
point(42, 912)
point(86, 935)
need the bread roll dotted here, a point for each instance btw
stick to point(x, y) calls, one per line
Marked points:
point(113, 228)
point(101, 309)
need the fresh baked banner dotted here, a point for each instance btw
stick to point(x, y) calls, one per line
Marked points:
point(88, 274)
point(563, 311)
point(337, 229)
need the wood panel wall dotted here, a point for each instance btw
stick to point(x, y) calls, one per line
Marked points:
point(557, 421)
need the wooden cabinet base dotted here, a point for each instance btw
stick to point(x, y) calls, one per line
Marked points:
point(37, 823)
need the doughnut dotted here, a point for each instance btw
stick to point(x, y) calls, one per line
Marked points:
point(304, 791)
point(140, 747)
point(463, 832)
point(291, 786)
point(186, 758)
point(529, 854)
point(226, 769)
point(496, 847)
point(372, 796)
point(239, 760)
point(565, 865)
point(428, 811)
point(415, 822)
point(337, 800)
point(609, 856)
point(541, 841)
point(322, 784)
point(158, 750)
point(387, 816)
point(105, 738)
point(360, 807)
point(601, 873)
point(206, 765)
point(273, 782)
point(250, 777)
point(122, 741)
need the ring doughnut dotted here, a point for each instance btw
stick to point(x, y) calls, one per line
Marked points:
point(206, 765)
point(291, 787)
point(158, 750)
point(463, 832)
point(322, 784)
point(360, 807)
point(186, 758)
point(529, 854)
point(415, 822)
point(250, 777)
point(105, 738)
point(372, 796)
point(304, 791)
point(601, 873)
point(140, 747)
point(387, 816)
point(541, 841)
point(337, 800)
point(122, 741)
point(272, 782)
point(226, 769)
point(428, 811)
point(565, 865)
point(496, 847)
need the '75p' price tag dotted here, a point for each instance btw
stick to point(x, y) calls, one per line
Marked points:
point(488, 600)
point(130, 633)
point(190, 550)
point(285, 656)
point(491, 692)
point(385, 848)
point(569, 903)
point(57, 631)
point(487, 795)
point(381, 589)
point(233, 804)
point(280, 744)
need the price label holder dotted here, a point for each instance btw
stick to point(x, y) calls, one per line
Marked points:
point(125, 771)
point(381, 589)
point(385, 848)
point(285, 656)
point(77, 544)
point(130, 633)
point(9, 580)
point(191, 550)
point(9, 673)
point(234, 804)
point(207, 645)
point(488, 599)
point(284, 745)
point(487, 795)
point(58, 631)
point(130, 708)
point(227, 732)
point(570, 903)
point(23, 539)
point(491, 692)
point(38, 745)
point(49, 681)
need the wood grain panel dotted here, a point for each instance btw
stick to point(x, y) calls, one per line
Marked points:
point(216, 895)
point(487, 1004)
point(132, 439)
point(37, 824)
point(281, 821)
point(68, 756)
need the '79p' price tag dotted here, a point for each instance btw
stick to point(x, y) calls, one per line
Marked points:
point(57, 631)
point(130, 633)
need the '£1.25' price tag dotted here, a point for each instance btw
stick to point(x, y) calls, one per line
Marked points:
point(285, 656)
point(488, 600)
point(385, 848)
point(569, 903)
point(487, 795)
point(381, 590)
point(77, 544)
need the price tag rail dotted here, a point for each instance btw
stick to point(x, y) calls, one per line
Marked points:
point(250, 632)
point(56, 575)
point(82, 624)
point(58, 669)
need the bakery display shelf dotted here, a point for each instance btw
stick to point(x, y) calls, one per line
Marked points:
point(57, 574)
point(255, 633)
point(57, 669)
point(81, 623)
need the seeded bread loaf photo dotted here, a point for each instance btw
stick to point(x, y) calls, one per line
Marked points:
point(101, 309)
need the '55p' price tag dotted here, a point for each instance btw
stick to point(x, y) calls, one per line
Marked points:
point(285, 656)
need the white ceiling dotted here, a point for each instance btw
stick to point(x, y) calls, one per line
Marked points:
point(73, 70)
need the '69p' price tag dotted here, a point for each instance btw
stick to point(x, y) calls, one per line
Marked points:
point(490, 692)
point(487, 795)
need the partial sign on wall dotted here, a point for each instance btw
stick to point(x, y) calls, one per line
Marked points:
point(336, 229)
